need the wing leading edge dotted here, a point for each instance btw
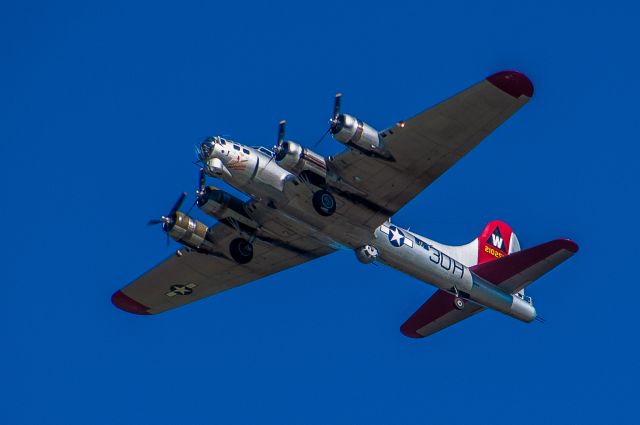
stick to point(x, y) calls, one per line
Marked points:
point(190, 275)
point(183, 279)
point(427, 145)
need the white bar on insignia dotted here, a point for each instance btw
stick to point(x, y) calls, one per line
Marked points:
point(191, 285)
point(170, 294)
point(384, 229)
point(408, 243)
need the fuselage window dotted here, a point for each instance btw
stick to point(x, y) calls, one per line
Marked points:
point(236, 147)
point(222, 142)
point(264, 150)
point(245, 151)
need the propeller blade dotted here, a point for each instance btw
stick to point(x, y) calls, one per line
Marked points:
point(334, 118)
point(281, 133)
point(278, 147)
point(336, 106)
point(177, 205)
point(201, 182)
point(321, 138)
point(270, 159)
point(191, 207)
point(166, 221)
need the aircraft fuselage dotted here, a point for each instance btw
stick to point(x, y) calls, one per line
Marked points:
point(254, 172)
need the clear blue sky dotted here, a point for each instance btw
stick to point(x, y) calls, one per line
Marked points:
point(100, 106)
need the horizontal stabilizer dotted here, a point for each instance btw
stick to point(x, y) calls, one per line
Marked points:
point(511, 273)
point(517, 270)
point(436, 314)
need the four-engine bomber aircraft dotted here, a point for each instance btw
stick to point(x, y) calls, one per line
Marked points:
point(303, 206)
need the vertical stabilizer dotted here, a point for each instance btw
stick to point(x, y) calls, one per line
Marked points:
point(496, 240)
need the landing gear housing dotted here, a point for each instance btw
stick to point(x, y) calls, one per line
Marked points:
point(324, 203)
point(241, 250)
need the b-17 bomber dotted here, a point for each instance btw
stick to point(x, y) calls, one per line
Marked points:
point(303, 206)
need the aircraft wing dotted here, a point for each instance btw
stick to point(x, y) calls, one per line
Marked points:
point(511, 273)
point(436, 314)
point(516, 271)
point(427, 145)
point(189, 276)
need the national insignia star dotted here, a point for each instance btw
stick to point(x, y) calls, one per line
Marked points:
point(396, 237)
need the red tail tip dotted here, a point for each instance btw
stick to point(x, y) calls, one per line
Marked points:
point(409, 331)
point(570, 245)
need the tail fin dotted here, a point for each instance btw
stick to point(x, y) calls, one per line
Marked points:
point(511, 273)
point(496, 241)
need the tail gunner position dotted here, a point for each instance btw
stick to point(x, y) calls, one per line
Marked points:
point(303, 206)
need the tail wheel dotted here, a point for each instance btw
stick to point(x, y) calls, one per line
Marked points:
point(458, 303)
point(241, 250)
point(324, 203)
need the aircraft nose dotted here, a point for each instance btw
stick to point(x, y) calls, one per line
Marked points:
point(206, 149)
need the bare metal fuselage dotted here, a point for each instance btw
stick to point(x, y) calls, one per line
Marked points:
point(255, 173)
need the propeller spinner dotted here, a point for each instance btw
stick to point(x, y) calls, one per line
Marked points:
point(168, 220)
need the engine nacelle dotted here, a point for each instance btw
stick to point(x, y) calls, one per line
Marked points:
point(367, 254)
point(222, 205)
point(359, 135)
point(190, 232)
point(350, 130)
point(296, 159)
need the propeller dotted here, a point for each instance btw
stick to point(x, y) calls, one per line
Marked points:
point(201, 189)
point(336, 110)
point(201, 183)
point(167, 220)
point(335, 119)
point(278, 148)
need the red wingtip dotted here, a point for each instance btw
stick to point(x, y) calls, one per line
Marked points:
point(512, 82)
point(408, 331)
point(123, 302)
point(569, 245)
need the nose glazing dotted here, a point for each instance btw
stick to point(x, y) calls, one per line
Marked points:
point(206, 149)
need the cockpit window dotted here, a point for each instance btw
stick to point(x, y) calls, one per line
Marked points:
point(222, 141)
point(263, 150)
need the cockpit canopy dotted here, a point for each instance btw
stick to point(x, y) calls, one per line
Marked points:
point(206, 148)
point(264, 150)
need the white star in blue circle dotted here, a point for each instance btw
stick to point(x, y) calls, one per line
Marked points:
point(396, 237)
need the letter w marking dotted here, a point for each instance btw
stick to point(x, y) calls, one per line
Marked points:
point(497, 241)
